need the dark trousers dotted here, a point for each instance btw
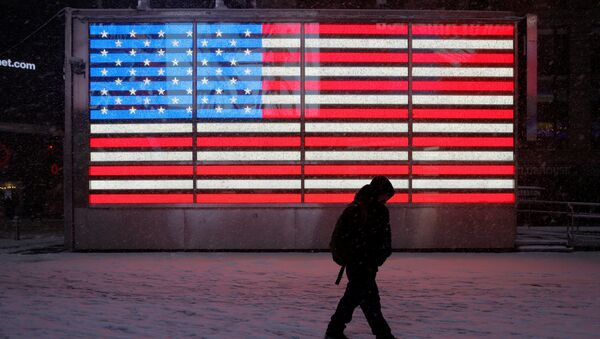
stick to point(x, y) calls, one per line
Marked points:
point(361, 291)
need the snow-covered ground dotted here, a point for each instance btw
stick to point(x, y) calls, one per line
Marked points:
point(292, 295)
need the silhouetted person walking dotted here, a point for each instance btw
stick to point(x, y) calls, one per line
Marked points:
point(361, 242)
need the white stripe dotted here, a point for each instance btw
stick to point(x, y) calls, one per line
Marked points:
point(248, 127)
point(356, 156)
point(140, 128)
point(281, 71)
point(439, 127)
point(366, 99)
point(462, 99)
point(141, 156)
point(356, 71)
point(281, 43)
point(348, 183)
point(281, 99)
point(461, 156)
point(249, 156)
point(463, 183)
point(462, 71)
point(355, 127)
point(140, 184)
point(248, 184)
point(356, 43)
point(461, 44)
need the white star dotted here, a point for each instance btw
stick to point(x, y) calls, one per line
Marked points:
point(233, 43)
point(189, 52)
point(161, 91)
point(104, 110)
point(219, 33)
point(189, 91)
point(233, 100)
point(132, 52)
point(175, 43)
point(104, 72)
point(118, 81)
point(146, 101)
point(104, 91)
point(204, 81)
point(118, 62)
point(161, 33)
point(204, 62)
point(104, 34)
point(161, 71)
point(189, 33)
point(218, 91)
point(132, 91)
point(219, 109)
point(247, 51)
point(233, 62)
point(161, 52)
point(175, 81)
point(247, 109)
point(175, 100)
point(204, 100)
point(247, 91)
point(118, 101)
point(247, 71)
point(132, 71)
point(204, 43)
point(247, 33)
point(118, 43)
point(189, 109)
point(147, 62)
point(132, 110)
point(104, 52)
point(161, 110)
point(233, 81)
point(190, 71)
point(175, 62)
point(219, 51)
point(147, 43)
point(132, 34)
point(219, 71)
point(147, 81)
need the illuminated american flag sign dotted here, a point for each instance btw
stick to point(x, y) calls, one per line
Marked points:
point(228, 113)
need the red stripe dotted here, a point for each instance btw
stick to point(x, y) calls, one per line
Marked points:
point(356, 113)
point(356, 142)
point(140, 170)
point(463, 169)
point(226, 170)
point(141, 198)
point(356, 57)
point(269, 56)
point(150, 142)
point(464, 58)
point(356, 169)
point(280, 113)
point(475, 86)
point(356, 29)
point(248, 198)
point(355, 85)
point(280, 85)
point(273, 29)
point(344, 198)
point(248, 141)
point(469, 30)
point(467, 198)
point(463, 141)
point(460, 113)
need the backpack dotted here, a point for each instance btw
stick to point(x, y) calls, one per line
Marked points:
point(342, 239)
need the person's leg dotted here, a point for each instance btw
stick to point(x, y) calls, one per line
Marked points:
point(371, 307)
point(352, 297)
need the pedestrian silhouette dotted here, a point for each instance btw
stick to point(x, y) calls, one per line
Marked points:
point(360, 243)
